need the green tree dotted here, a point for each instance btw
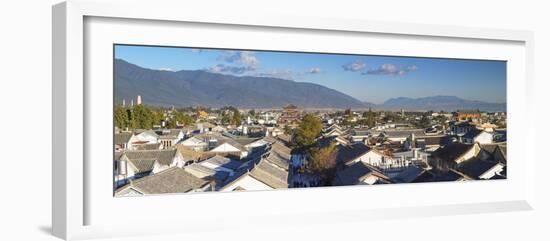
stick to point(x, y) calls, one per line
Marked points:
point(252, 113)
point(424, 122)
point(322, 162)
point(226, 118)
point(307, 131)
point(391, 116)
point(236, 119)
point(142, 117)
point(183, 119)
point(121, 117)
point(370, 118)
point(131, 122)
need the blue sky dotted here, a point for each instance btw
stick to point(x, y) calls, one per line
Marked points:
point(367, 78)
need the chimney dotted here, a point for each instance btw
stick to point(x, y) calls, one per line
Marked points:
point(122, 166)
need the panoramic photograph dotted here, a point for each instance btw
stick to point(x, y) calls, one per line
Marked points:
point(188, 119)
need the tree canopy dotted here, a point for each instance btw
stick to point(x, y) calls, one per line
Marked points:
point(144, 117)
point(307, 131)
point(236, 119)
point(121, 117)
point(322, 162)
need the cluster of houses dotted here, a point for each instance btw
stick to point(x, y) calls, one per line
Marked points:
point(211, 157)
point(400, 153)
point(197, 160)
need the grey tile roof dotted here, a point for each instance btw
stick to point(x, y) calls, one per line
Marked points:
point(356, 173)
point(475, 167)
point(148, 147)
point(187, 153)
point(270, 139)
point(143, 165)
point(232, 143)
point(409, 174)
point(360, 132)
point(270, 174)
point(122, 138)
point(285, 138)
point(245, 141)
point(404, 133)
point(452, 151)
point(346, 153)
point(436, 140)
point(265, 169)
point(326, 141)
point(196, 167)
point(279, 155)
point(168, 133)
point(444, 176)
point(223, 162)
point(143, 131)
point(164, 157)
point(204, 172)
point(171, 180)
point(221, 139)
point(472, 133)
point(424, 176)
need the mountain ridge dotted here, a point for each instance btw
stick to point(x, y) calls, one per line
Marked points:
point(440, 102)
point(198, 87)
point(202, 88)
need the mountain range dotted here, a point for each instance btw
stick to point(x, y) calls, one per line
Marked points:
point(198, 87)
point(437, 103)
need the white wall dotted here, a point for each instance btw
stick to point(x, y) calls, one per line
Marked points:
point(484, 138)
point(371, 157)
point(26, 88)
point(248, 183)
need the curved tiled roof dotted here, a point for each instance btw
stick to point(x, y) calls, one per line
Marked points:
point(164, 157)
point(356, 173)
point(270, 174)
point(172, 180)
point(122, 138)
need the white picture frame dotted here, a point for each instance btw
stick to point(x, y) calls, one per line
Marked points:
point(74, 197)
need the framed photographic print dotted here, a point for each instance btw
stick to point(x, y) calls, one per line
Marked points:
point(226, 119)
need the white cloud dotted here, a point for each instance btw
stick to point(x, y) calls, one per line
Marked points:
point(166, 69)
point(236, 70)
point(246, 58)
point(315, 70)
point(355, 66)
point(391, 69)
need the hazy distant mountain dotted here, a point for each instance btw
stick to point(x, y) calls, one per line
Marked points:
point(191, 88)
point(437, 103)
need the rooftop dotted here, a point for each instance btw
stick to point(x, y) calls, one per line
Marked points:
point(171, 180)
point(122, 138)
point(164, 157)
point(356, 173)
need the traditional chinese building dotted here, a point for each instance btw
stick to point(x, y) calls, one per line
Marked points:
point(290, 114)
point(463, 115)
